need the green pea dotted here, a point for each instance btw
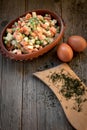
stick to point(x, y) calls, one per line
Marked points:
point(5, 42)
point(38, 42)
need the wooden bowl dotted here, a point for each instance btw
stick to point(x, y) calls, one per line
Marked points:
point(45, 49)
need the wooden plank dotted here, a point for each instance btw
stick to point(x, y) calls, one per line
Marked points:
point(29, 115)
point(11, 100)
point(39, 103)
point(53, 5)
point(0, 86)
point(34, 91)
point(75, 15)
point(39, 4)
point(11, 95)
point(0, 78)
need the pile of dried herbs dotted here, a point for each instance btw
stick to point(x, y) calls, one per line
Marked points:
point(71, 87)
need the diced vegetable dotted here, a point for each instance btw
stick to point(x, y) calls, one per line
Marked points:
point(30, 33)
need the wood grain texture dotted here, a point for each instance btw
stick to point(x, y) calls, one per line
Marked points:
point(25, 102)
point(0, 77)
point(11, 92)
point(76, 118)
point(11, 95)
point(0, 87)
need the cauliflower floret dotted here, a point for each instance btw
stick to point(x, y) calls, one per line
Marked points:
point(9, 37)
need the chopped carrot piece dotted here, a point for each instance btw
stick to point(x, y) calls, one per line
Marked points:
point(9, 30)
point(30, 33)
point(40, 17)
point(53, 29)
point(41, 36)
point(28, 16)
point(26, 30)
point(44, 25)
point(33, 34)
point(18, 36)
point(24, 43)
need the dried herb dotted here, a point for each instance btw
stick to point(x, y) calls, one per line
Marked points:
point(71, 87)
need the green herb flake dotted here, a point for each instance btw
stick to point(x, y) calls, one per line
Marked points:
point(72, 87)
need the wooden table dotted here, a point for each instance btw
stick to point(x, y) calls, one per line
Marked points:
point(25, 102)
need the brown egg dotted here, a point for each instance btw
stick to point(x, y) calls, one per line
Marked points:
point(77, 43)
point(64, 52)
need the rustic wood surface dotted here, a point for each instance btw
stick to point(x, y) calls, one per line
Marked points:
point(70, 107)
point(25, 102)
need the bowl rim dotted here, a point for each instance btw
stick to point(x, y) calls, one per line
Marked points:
point(43, 50)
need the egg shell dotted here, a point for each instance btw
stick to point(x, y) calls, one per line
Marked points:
point(64, 52)
point(77, 43)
